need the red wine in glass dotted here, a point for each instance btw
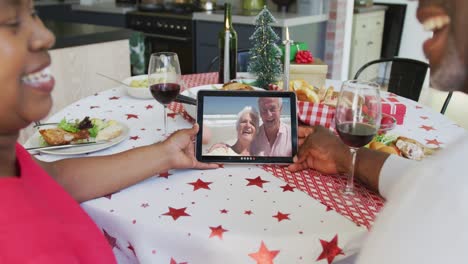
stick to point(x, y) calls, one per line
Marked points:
point(356, 135)
point(165, 93)
point(357, 119)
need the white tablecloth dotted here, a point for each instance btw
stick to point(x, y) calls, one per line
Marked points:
point(235, 214)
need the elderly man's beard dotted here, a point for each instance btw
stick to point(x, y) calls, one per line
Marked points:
point(451, 73)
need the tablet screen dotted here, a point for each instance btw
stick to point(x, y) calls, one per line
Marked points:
point(246, 126)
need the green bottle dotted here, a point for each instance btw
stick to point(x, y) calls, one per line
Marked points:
point(232, 47)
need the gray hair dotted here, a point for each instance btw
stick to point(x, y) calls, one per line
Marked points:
point(279, 99)
point(253, 113)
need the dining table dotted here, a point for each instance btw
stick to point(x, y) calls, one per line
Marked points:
point(238, 213)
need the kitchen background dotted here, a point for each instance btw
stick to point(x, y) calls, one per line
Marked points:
point(93, 37)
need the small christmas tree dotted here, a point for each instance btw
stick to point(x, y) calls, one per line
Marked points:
point(265, 56)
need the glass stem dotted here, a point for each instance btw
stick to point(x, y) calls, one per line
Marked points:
point(165, 120)
point(350, 182)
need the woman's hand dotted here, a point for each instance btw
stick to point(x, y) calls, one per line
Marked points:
point(321, 150)
point(180, 147)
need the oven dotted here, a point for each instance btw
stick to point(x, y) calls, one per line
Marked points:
point(166, 32)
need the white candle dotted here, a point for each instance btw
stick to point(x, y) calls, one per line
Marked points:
point(226, 56)
point(287, 50)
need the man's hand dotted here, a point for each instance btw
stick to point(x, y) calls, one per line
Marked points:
point(321, 150)
point(302, 133)
point(180, 146)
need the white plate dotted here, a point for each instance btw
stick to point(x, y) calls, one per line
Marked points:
point(138, 92)
point(35, 142)
point(192, 92)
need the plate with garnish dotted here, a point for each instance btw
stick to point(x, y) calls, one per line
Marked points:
point(72, 137)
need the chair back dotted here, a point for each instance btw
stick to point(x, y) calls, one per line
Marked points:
point(243, 58)
point(406, 76)
point(446, 103)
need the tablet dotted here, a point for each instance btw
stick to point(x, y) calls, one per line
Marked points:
point(246, 126)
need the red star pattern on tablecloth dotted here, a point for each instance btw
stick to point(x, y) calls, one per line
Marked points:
point(171, 115)
point(149, 107)
point(130, 116)
point(223, 211)
point(165, 174)
point(256, 181)
point(248, 212)
point(94, 106)
point(110, 239)
point(427, 128)
point(287, 188)
point(176, 213)
point(131, 248)
point(280, 216)
point(199, 184)
point(424, 117)
point(263, 255)
point(330, 250)
point(175, 262)
point(433, 142)
point(217, 231)
point(134, 137)
point(114, 98)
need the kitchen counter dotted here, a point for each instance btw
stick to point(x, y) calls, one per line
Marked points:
point(374, 8)
point(283, 19)
point(55, 2)
point(110, 8)
point(76, 34)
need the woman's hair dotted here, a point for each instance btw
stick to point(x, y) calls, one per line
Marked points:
point(253, 113)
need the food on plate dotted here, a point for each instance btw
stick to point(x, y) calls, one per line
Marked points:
point(87, 129)
point(308, 93)
point(376, 145)
point(110, 132)
point(58, 136)
point(389, 150)
point(401, 146)
point(413, 149)
point(235, 86)
point(143, 83)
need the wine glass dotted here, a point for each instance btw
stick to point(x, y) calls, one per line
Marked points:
point(164, 79)
point(357, 119)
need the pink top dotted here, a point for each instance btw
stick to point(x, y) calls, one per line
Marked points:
point(282, 146)
point(41, 223)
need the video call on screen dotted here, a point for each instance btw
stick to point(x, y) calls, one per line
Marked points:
point(229, 122)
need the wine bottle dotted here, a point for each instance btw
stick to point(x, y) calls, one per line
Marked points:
point(229, 48)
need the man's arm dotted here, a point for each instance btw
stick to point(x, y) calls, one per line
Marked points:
point(91, 177)
point(323, 151)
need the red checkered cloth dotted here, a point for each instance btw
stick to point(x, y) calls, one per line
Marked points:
point(361, 208)
point(316, 114)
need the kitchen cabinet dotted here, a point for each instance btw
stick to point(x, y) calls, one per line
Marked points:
point(304, 28)
point(366, 41)
point(207, 41)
